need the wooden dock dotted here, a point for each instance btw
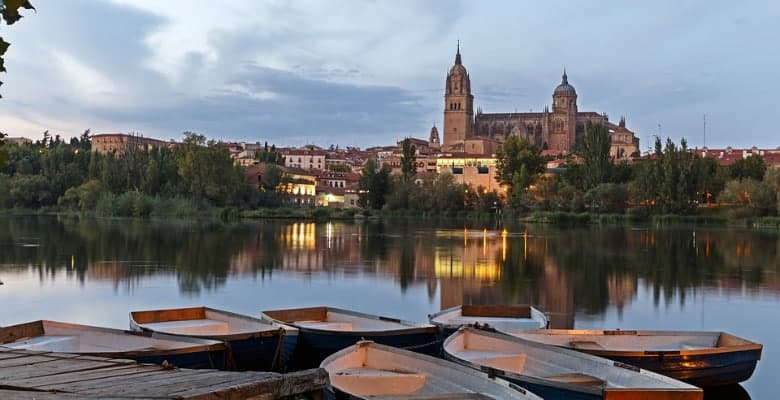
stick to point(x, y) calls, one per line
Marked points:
point(27, 375)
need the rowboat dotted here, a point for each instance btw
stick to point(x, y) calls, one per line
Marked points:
point(87, 340)
point(494, 316)
point(253, 344)
point(326, 330)
point(558, 373)
point(703, 359)
point(367, 370)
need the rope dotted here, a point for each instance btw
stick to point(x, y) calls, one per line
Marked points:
point(279, 345)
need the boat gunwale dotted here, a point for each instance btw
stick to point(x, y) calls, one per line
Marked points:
point(197, 345)
point(280, 329)
point(727, 349)
point(439, 362)
point(453, 326)
point(674, 384)
point(413, 327)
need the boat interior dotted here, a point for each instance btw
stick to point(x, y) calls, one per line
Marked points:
point(629, 341)
point(508, 317)
point(329, 319)
point(371, 371)
point(68, 338)
point(544, 362)
point(199, 321)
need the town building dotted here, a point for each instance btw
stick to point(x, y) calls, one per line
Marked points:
point(475, 170)
point(120, 143)
point(17, 140)
point(730, 155)
point(560, 129)
point(310, 157)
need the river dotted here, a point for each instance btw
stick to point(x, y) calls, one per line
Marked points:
point(94, 271)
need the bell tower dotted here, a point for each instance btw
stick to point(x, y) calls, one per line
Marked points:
point(458, 104)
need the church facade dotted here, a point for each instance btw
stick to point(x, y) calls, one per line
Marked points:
point(558, 130)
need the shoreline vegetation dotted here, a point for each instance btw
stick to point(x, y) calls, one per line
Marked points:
point(182, 209)
point(198, 179)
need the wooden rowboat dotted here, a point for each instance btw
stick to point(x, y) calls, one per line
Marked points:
point(494, 316)
point(51, 336)
point(326, 330)
point(253, 344)
point(703, 359)
point(557, 373)
point(367, 370)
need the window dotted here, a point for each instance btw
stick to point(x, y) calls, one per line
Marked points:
point(457, 170)
point(483, 170)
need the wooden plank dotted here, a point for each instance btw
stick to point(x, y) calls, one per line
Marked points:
point(204, 385)
point(185, 314)
point(299, 314)
point(78, 376)
point(15, 362)
point(162, 386)
point(86, 385)
point(278, 386)
point(496, 311)
point(48, 368)
point(134, 383)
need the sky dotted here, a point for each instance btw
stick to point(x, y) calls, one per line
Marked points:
point(363, 73)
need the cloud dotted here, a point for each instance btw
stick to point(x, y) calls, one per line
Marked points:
point(267, 104)
point(369, 73)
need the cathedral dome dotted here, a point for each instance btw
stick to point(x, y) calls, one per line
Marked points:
point(564, 89)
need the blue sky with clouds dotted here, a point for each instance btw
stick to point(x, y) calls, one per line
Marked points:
point(370, 72)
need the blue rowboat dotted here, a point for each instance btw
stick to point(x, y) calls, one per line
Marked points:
point(489, 316)
point(326, 330)
point(704, 359)
point(556, 373)
point(95, 341)
point(367, 370)
point(252, 344)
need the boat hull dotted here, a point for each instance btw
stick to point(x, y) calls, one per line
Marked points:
point(315, 346)
point(264, 353)
point(703, 370)
point(541, 389)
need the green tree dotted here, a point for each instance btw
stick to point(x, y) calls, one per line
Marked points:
point(269, 155)
point(408, 160)
point(751, 167)
point(2, 153)
point(374, 185)
point(595, 152)
point(9, 11)
point(518, 162)
point(750, 194)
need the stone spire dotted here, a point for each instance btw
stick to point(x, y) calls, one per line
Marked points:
point(564, 78)
point(457, 55)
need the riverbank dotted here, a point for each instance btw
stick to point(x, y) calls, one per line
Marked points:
point(184, 210)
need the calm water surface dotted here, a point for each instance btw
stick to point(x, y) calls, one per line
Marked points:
point(95, 271)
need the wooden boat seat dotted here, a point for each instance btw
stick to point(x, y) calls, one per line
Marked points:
point(585, 345)
point(192, 327)
point(577, 379)
point(375, 382)
point(326, 325)
point(502, 361)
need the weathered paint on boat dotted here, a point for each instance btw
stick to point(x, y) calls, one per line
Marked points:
point(52, 336)
point(326, 330)
point(489, 316)
point(556, 373)
point(253, 344)
point(367, 370)
point(704, 359)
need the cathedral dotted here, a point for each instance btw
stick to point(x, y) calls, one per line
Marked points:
point(558, 130)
